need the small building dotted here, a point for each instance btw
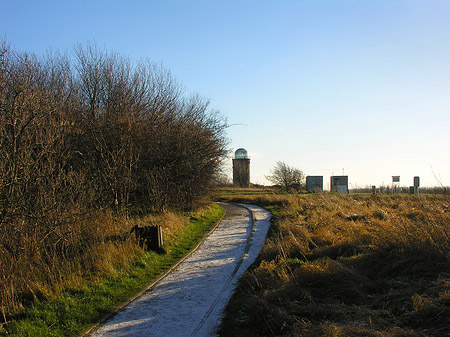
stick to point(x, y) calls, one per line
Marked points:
point(314, 183)
point(241, 168)
point(339, 184)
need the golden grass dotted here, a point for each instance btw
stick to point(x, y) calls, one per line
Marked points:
point(100, 245)
point(349, 265)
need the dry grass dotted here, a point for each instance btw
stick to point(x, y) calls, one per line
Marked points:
point(31, 268)
point(356, 265)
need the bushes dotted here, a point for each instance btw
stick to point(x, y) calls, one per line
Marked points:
point(86, 138)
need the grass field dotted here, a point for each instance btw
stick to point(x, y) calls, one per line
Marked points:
point(347, 265)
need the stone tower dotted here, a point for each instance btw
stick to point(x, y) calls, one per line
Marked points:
point(241, 168)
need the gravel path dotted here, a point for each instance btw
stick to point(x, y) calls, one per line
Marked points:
point(190, 300)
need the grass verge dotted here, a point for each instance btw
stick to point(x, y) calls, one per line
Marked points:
point(85, 302)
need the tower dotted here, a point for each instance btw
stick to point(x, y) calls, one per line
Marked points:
point(241, 168)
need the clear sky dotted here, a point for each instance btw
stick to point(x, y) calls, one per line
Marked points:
point(353, 86)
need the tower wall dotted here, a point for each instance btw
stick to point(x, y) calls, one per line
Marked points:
point(241, 172)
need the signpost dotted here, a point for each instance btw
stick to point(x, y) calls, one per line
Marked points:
point(416, 185)
point(395, 183)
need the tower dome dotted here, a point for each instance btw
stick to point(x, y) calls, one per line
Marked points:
point(241, 154)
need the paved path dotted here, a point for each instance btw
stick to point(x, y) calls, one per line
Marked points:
point(189, 301)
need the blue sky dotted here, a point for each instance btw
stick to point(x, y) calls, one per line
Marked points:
point(360, 87)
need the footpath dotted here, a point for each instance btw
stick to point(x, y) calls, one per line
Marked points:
point(190, 300)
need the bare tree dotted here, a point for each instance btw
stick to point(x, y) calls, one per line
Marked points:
point(99, 134)
point(288, 178)
point(128, 128)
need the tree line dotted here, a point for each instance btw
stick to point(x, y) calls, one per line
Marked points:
point(100, 132)
point(94, 131)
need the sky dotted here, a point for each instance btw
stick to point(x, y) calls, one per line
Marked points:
point(360, 88)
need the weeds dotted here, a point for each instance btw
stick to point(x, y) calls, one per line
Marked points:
point(343, 265)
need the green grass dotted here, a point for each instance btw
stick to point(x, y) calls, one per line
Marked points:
point(274, 209)
point(79, 307)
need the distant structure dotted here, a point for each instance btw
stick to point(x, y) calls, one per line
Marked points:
point(339, 184)
point(314, 183)
point(241, 168)
point(395, 184)
point(416, 185)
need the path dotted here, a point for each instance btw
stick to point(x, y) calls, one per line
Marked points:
point(189, 301)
